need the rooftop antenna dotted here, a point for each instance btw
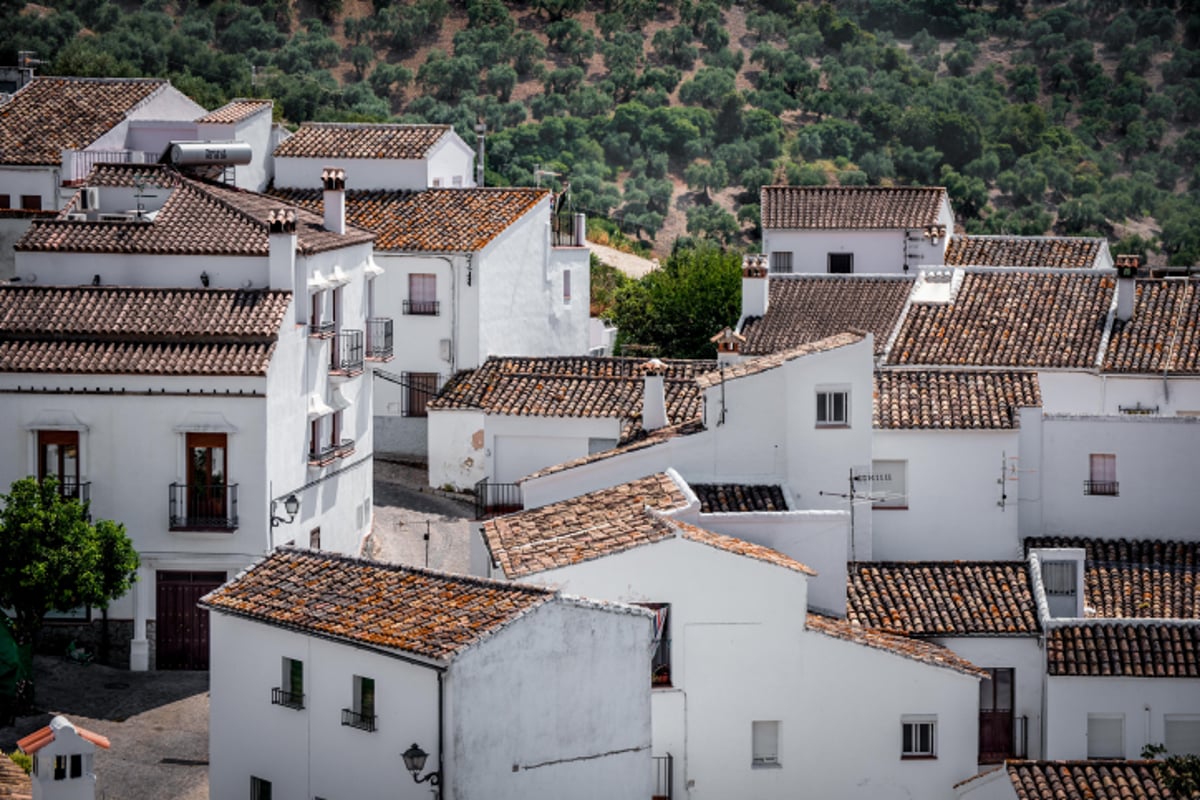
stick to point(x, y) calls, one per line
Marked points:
point(539, 172)
point(140, 181)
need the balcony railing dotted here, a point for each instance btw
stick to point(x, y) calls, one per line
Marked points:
point(354, 719)
point(379, 339)
point(1107, 488)
point(422, 308)
point(76, 490)
point(664, 777)
point(321, 329)
point(568, 230)
point(204, 507)
point(347, 358)
point(494, 499)
point(77, 164)
point(330, 452)
point(282, 697)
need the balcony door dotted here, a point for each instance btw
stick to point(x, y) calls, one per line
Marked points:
point(996, 716)
point(206, 460)
point(58, 458)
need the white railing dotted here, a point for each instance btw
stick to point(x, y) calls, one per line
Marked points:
point(77, 164)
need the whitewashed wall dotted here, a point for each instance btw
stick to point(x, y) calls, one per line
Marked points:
point(361, 173)
point(12, 228)
point(456, 451)
point(256, 132)
point(42, 181)
point(1085, 393)
point(309, 753)
point(952, 476)
point(450, 158)
point(121, 269)
point(556, 704)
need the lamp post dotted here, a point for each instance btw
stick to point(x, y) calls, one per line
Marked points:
point(414, 761)
point(291, 505)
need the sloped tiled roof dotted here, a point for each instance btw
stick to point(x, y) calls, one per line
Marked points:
point(235, 111)
point(1164, 333)
point(942, 598)
point(1124, 649)
point(732, 544)
point(361, 140)
point(199, 218)
point(718, 498)
point(1023, 251)
point(903, 646)
point(432, 220)
point(1136, 578)
point(754, 366)
point(638, 439)
point(807, 308)
point(14, 783)
point(43, 736)
point(952, 399)
point(855, 207)
point(52, 114)
point(1011, 318)
point(382, 606)
point(1086, 780)
point(128, 330)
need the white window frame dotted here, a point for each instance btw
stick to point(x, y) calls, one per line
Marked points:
point(911, 726)
point(827, 406)
point(764, 743)
point(1105, 718)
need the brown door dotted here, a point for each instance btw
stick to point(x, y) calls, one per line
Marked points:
point(206, 479)
point(181, 626)
point(996, 716)
point(58, 457)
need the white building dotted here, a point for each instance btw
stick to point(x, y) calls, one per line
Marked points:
point(740, 671)
point(63, 758)
point(188, 372)
point(339, 666)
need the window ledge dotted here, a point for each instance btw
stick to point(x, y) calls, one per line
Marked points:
point(764, 765)
point(918, 758)
point(827, 425)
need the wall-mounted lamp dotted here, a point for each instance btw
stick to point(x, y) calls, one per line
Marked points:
point(414, 761)
point(204, 278)
point(291, 505)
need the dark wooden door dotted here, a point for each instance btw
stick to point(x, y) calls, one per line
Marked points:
point(181, 626)
point(206, 478)
point(996, 715)
point(58, 458)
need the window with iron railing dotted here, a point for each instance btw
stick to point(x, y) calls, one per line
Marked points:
point(362, 714)
point(290, 692)
point(419, 389)
point(379, 339)
point(422, 295)
point(1102, 479)
point(346, 355)
point(203, 506)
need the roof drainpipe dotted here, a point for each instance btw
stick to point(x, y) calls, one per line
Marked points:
point(654, 402)
point(1127, 272)
point(333, 180)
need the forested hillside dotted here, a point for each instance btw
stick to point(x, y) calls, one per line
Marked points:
point(667, 117)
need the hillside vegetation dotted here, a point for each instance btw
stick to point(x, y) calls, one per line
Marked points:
point(667, 117)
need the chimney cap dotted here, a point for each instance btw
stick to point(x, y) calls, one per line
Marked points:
point(1128, 264)
point(727, 334)
point(282, 220)
point(654, 367)
point(333, 179)
point(754, 265)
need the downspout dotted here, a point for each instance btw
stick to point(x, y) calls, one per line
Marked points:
point(441, 735)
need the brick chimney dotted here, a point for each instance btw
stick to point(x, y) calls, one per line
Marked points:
point(755, 285)
point(281, 260)
point(1127, 272)
point(333, 180)
point(729, 345)
point(654, 399)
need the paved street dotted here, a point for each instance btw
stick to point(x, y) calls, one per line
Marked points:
point(406, 509)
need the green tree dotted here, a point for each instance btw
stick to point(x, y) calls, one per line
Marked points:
point(56, 560)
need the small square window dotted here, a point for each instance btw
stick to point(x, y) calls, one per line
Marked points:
point(1181, 734)
point(259, 789)
point(781, 261)
point(31, 202)
point(764, 737)
point(919, 737)
point(833, 408)
point(566, 285)
point(76, 765)
point(60, 768)
point(4, 202)
point(841, 263)
point(1106, 736)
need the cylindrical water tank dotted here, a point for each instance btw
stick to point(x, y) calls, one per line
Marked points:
point(191, 153)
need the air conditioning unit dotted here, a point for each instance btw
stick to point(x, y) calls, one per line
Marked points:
point(444, 349)
point(77, 216)
point(89, 198)
point(116, 217)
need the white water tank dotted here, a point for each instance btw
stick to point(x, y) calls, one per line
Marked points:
point(193, 153)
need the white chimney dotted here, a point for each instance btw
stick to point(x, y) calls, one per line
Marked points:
point(281, 261)
point(756, 287)
point(654, 399)
point(334, 182)
point(729, 345)
point(1127, 271)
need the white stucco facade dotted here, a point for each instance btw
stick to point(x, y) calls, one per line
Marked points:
point(450, 163)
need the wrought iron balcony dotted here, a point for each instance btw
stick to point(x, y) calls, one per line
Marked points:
point(494, 499)
point(282, 697)
point(1107, 488)
point(204, 507)
point(354, 719)
point(664, 769)
point(422, 308)
point(321, 329)
point(76, 490)
point(379, 339)
point(347, 353)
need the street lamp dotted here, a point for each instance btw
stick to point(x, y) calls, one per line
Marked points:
point(414, 761)
point(291, 505)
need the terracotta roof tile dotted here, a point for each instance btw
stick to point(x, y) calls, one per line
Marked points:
point(199, 218)
point(433, 220)
point(856, 207)
point(806, 308)
point(361, 140)
point(1124, 649)
point(583, 528)
point(741, 547)
point(716, 498)
point(43, 736)
point(1024, 251)
point(753, 366)
point(1142, 578)
point(903, 646)
point(51, 114)
point(235, 110)
point(639, 439)
point(942, 598)
point(1086, 780)
point(110, 330)
point(952, 399)
point(14, 783)
point(1164, 332)
point(381, 606)
point(1011, 318)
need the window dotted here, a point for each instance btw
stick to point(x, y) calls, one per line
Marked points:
point(1059, 577)
point(437, 183)
point(60, 768)
point(362, 714)
point(4, 202)
point(919, 737)
point(841, 263)
point(422, 295)
point(319, 323)
point(1106, 736)
point(419, 389)
point(764, 737)
point(259, 789)
point(833, 408)
point(77, 765)
point(58, 458)
point(1102, 471)
point(781, 261)
point(660, 662)
point(456, 180)
point(208, 498)
point(314, 539)
point(31, 202)
point(1182, 734)
point(566, 285)
point(290, 692)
